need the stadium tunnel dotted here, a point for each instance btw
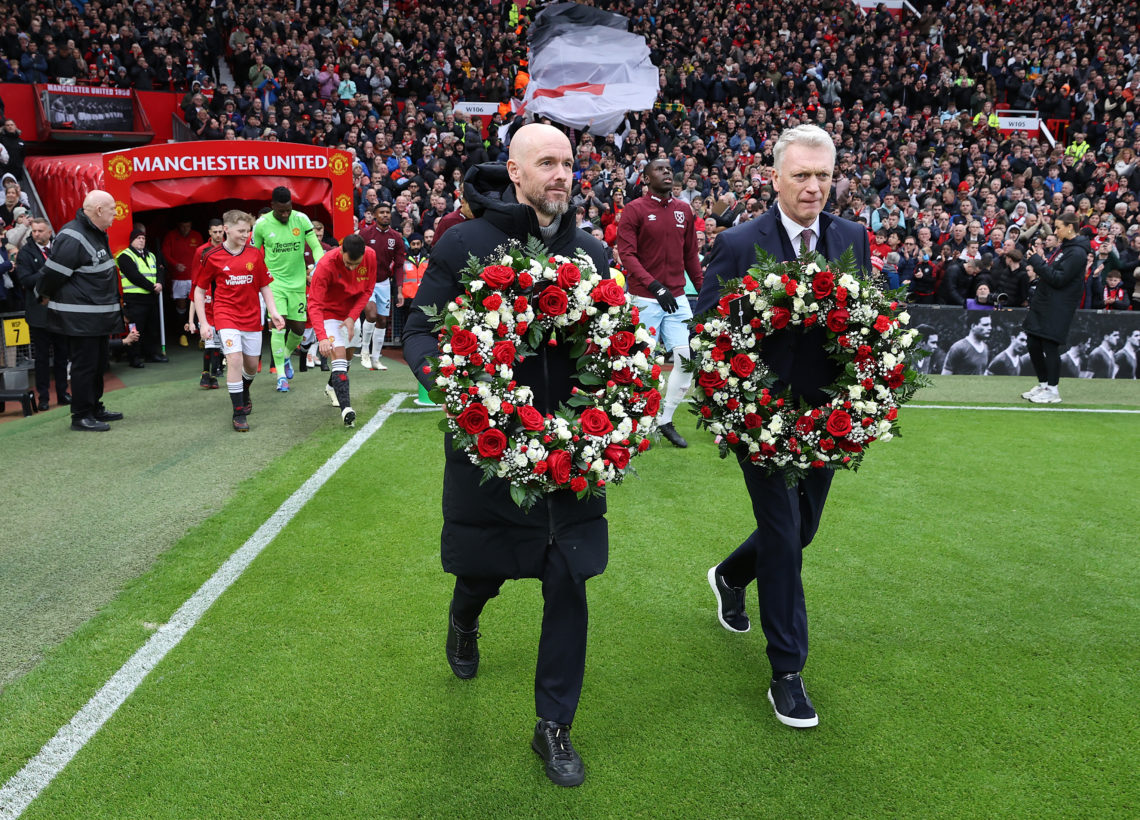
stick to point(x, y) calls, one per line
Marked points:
point(160, 184)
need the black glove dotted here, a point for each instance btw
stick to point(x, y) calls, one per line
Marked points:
point(664, 298)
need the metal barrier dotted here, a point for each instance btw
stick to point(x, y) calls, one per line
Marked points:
point(16, 361)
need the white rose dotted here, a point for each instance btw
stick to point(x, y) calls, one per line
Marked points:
point(889, 360)
point(476, 285)
point(904, 318)
point(520, 460)
point(855, 391)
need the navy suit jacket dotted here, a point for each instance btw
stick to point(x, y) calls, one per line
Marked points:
point(795, 355)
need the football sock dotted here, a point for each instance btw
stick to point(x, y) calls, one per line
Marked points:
point(367, 329)
point(679, 381)
point(378, 342)
point(207, 360)
point(291, 342)
point(246, 381)
point(277, 347)
point(339, 381)
point(235, 389)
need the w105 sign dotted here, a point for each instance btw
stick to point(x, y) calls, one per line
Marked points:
point(1019, 122)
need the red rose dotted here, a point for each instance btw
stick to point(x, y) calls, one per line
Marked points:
point(896, 376)
point(558, 465)
point(753, 421)
point(539, 467)
point(525, 280)
point(790, 287)
point(822, 284)
point(780, 317)
point(503, 352)
point(578, 483)
point(623, 376)
point(609, 292)
point(531, 419)
point(463, 342)
point(553, 301)
point(804, 425)
point(498, 276)
point(491, 443)
point(742, 365)
point(826, 444)
point(711, 379)
point(724, 342)
point(595, 422)
point(568, 276)
point(473, 419)
point(882, 324)
point(837, 320)
point(643, 445)
point(618, 456)
point(493, 302)
point(839, 423)
point(722, 306)
point(621, 343)
point(652, 403)
point(892, 414)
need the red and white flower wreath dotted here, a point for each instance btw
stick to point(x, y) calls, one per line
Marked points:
point(527, 298)
point(866, 334)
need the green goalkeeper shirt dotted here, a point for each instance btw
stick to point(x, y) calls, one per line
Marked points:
point(284, 247)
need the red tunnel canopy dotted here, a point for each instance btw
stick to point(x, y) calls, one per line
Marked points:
point(163, 177)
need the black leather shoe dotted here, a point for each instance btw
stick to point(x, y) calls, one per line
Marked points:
point(462, 648)
point(552, 743)
point(108, 415)
point(672, 436)
point(64, 399)
point(729, 603)
point(136, 363)
point(160, 359)
point(790, 700)
point(89, 424)
point(42, 406)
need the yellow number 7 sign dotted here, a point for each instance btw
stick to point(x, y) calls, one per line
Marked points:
point(16, 332)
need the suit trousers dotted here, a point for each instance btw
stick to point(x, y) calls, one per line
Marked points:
point(47, 345)
point(89, 359)
point(142, 310)
point(561, 663)
point(786, 521)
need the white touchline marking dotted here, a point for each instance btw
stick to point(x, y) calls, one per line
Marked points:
point(1016, 409)
point(27, 784)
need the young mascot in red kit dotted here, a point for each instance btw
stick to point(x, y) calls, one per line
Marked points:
point(342, 284)
point(238, 274)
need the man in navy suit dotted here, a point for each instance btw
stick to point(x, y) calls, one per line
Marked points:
point(786, 517)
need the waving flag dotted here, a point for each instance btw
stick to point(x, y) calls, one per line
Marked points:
point(586, 69)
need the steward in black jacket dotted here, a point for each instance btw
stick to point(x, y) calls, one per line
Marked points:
point(486, 537)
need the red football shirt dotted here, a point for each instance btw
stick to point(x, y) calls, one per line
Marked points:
point(238, 279)
point(208, 287)
point(179, 252)
point(337, 293)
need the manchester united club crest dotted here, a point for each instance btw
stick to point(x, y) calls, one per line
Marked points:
point(122, 210)
point(119, 167)
point(343, 202)
point(296, 232)
point(338, 164)
point(249, 266)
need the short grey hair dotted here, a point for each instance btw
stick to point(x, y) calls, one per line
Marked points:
point(809, 136)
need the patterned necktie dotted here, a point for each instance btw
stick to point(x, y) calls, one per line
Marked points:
point(805, 238)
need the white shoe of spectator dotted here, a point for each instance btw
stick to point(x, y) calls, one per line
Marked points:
point(1033, 391)
point(365, 362)
point(1049, 395)
point(377, 364)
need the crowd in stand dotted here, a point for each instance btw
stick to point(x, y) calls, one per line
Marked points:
point(953, 202)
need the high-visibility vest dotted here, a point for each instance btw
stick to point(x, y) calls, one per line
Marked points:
point(413, 275)
point(147, 266)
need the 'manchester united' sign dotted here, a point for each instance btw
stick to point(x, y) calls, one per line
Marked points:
point(124, 169)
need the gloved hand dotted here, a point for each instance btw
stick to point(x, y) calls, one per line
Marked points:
point(664, 298)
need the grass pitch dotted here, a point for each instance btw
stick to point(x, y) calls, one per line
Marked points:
point(971, 596)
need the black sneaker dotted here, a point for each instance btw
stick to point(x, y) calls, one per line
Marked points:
point(672, 436)
point(240, 424)
point(791, 702)
point(552, 743)
point(462, 648)
point(729, 603)
point(246, 408)
point(204, 382)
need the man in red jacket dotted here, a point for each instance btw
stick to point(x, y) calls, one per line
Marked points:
point(657, 243)
point(342, 283)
